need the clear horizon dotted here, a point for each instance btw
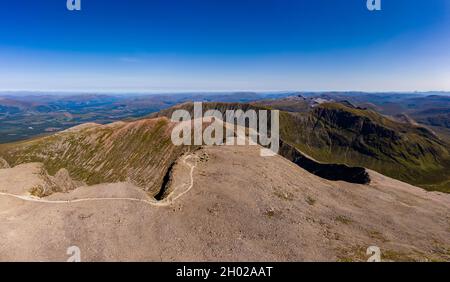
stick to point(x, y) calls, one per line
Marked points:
point(166, 92)
point(225, 46)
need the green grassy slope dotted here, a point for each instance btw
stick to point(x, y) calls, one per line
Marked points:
point(342, 134)
point(139, 151)
point(335, 133)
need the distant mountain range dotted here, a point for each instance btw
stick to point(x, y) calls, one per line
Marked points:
point(123, 191)
point(340, 133)
point(28, 114)
point(404, 136)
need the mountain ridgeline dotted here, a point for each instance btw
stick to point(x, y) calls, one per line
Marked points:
point(334, 140)
point(342, 135)
point(333, 132)
point(139, 152)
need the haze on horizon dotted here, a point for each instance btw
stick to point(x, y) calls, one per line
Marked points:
point(201, 45)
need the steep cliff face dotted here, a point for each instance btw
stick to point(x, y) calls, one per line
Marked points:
point(336, 133)
point(345, 137)
point(341, 134)
point(335, 172)
point(139, 152)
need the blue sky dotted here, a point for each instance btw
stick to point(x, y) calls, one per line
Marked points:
point(207, 45)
